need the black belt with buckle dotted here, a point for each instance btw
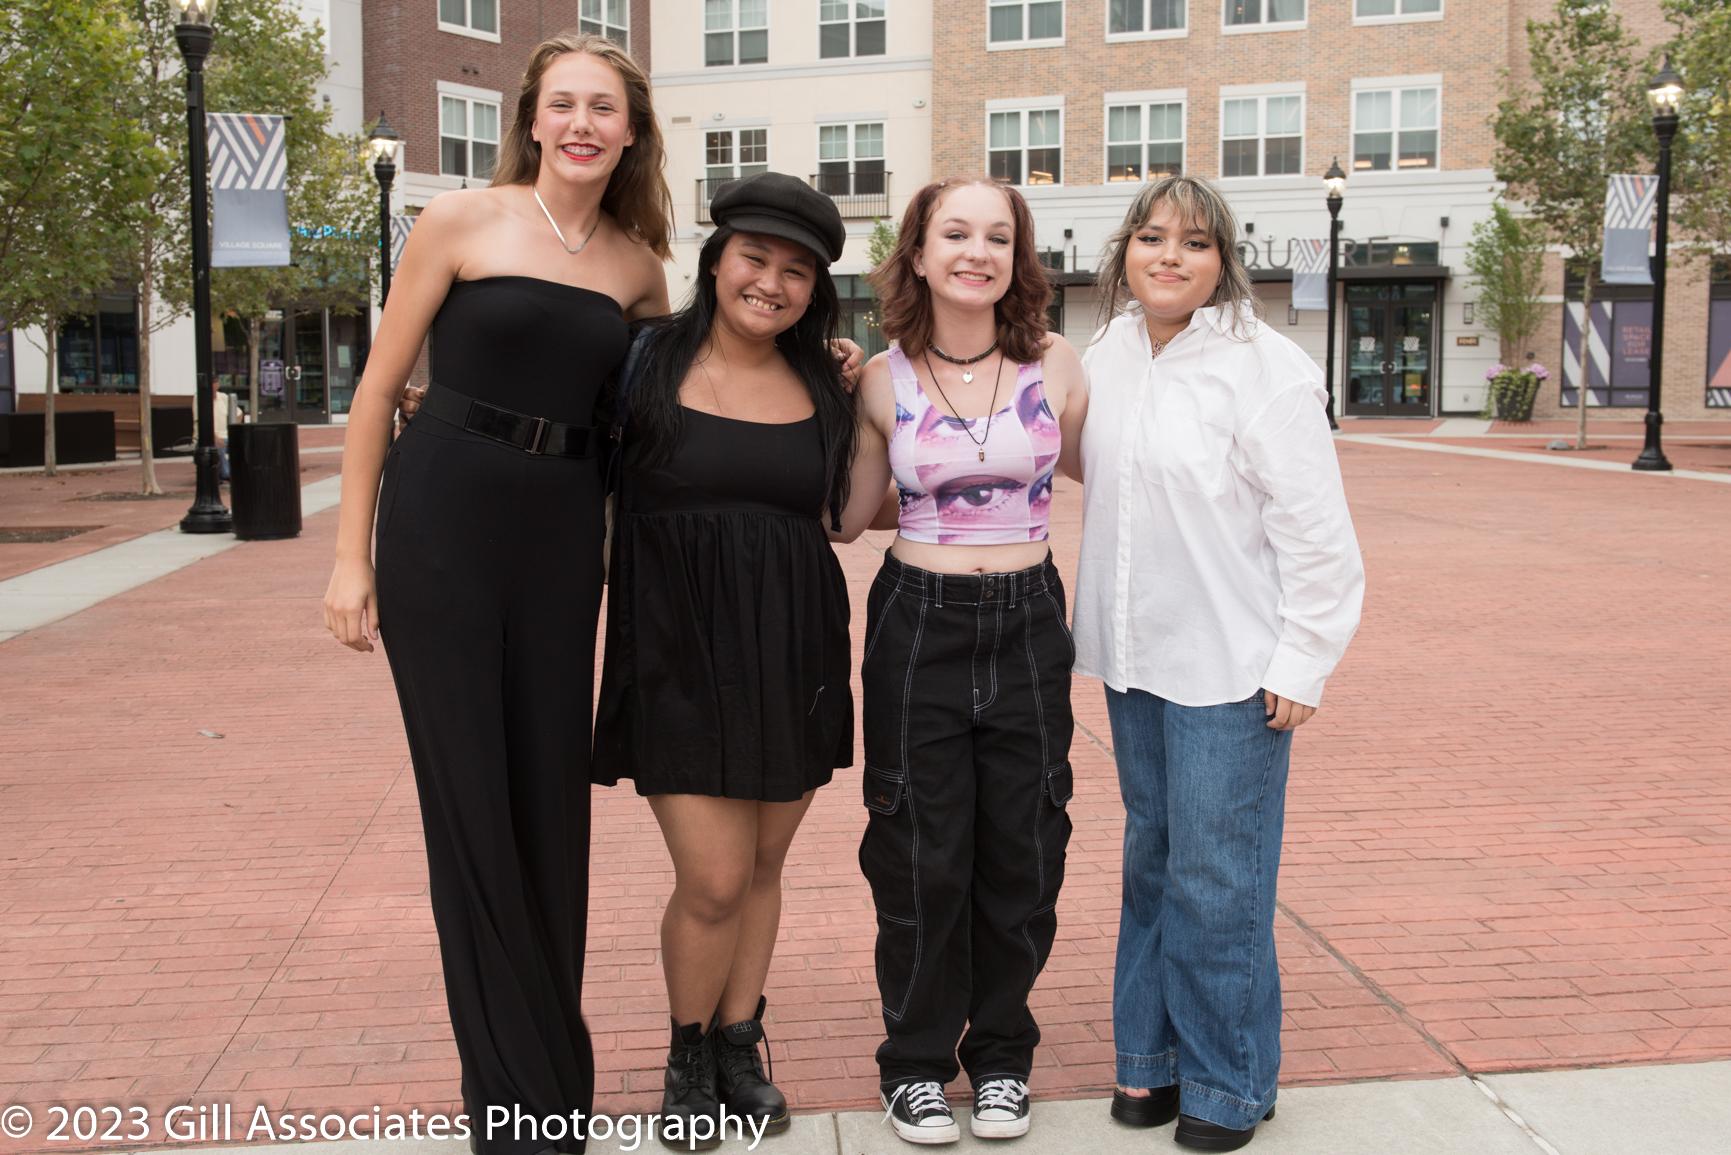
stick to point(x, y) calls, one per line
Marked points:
point(536, 435)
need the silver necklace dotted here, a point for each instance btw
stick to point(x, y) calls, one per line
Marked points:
point(967, 373)
point(1159, 346)
point(560, 233)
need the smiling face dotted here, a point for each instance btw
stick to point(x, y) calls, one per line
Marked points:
point(763, 285)
point(968, 251)
point(1172, 265)
point(582, 119)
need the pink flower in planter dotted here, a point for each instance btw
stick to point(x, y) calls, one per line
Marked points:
point(1539, 371)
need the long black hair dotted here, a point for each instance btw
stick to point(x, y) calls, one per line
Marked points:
point(656, 414)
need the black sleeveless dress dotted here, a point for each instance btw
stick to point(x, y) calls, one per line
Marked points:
point(728, 659)
point(489, 580)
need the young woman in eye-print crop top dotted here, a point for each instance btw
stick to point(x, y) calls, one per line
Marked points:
point(966, 677)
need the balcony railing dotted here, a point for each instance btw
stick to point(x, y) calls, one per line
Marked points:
point(856, 194)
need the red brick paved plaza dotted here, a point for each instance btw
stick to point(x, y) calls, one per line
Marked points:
point(1508, 844)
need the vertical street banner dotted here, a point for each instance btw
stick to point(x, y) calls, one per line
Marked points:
point(1309, 274)
point(400, 226)
point(1629, 204)
point(249, 209)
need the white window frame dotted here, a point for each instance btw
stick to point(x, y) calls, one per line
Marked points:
point(1159, 34)
point(734, 29)
point(601, 21)
point(1261, 26)
point(853, 22)
point(732, 130)
point(1400, 17)
point(472, 96)
point(1260, 93)
point(853, 125)
point(1025, 43)
point(467, 29)
point(1177, 96)
point(1023, 107)
point(1394, 85)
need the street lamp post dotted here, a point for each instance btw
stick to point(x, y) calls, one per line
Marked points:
point(383, 140)
point(194, 35)
point(1664, 93)
point(1335, 181)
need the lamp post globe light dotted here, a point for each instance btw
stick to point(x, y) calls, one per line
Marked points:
point(1665, 94)
point(1334, 180)
point(383, 141)
point(194, 35)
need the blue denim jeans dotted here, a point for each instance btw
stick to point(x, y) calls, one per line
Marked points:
point(1196, 996)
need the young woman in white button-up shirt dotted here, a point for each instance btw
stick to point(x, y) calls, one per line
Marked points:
point(1219, 584)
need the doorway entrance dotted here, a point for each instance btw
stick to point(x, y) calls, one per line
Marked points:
point(309, 362)
point(1390, 340)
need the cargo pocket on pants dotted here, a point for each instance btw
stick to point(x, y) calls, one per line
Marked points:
point(888, 857)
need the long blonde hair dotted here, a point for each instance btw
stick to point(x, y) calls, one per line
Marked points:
point(1194, 200)
point(636, 196)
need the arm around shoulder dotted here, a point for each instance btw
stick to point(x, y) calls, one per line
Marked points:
point(871, 464)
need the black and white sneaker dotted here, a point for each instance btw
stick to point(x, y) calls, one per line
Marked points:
point(920, 1113)
point(1001, 1109)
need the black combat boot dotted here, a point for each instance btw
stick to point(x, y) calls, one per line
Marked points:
point(739, 1070)
point(689, 1101)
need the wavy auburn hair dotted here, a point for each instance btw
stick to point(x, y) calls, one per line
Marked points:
point(907, 300)
point(1195, 201)
point(636, 195)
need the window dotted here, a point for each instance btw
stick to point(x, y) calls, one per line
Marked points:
point(470, 17)
point(98, 351)
point(1251, 14)
point(850, 28)
point(850, 159)
point(1262, 136)
point(1373, 11)
point(1616, 361)
point(734, 152)
point(1026, 146)
point(1142, 17)
point(468, 136)
point(1144, 139)
point(1024, 23)
point(1394, 128)
point(609, 18)
point(1719, 335)
point(735, 32)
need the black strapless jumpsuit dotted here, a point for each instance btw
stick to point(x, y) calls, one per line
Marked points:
point(489, 580)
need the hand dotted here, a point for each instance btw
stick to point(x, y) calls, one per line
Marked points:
point(851, 357)
point(1284, 713)
point(410, 404)
point(352, 605)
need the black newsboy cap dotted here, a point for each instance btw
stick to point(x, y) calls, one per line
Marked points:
point(782, 206)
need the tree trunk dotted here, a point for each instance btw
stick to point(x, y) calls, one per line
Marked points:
point(254, 334)
point(49, 466)
point(146, 309)
point(1586, 360)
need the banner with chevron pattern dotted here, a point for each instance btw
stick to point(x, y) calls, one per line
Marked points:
point(1309, 273)
point(1629, 204)
point(249, 207)
point(400, 226)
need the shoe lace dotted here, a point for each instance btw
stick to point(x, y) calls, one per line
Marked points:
point(922, 1099)
point(688, 1069)
point(739, 1061)
point(1005, 1093)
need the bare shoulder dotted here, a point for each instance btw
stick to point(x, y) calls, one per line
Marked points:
point(1061, 367)
point(462, 209)
point(877, 392)
point(642, 276)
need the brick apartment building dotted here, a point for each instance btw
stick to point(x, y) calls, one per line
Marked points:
point(1076, 101)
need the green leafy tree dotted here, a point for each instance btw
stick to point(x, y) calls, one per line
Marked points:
point(1506, 256)
point(882, 242)
point(1583, 118)
point(74, 164)
point(1701, 157)
point(265, 59)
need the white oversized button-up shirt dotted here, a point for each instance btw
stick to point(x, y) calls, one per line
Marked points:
point(1218, 557)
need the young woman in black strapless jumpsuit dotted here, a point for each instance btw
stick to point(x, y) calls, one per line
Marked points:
point(489, 533)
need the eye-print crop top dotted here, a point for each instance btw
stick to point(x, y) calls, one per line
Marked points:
point(949, 496)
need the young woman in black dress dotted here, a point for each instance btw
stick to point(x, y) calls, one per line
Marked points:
point(725, 690)
point(489, 525)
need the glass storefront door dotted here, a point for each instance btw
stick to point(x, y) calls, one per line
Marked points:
point(309, 364)
point(1390, 339)
point(306, 372)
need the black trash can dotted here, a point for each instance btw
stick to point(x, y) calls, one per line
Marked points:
point(264, 463)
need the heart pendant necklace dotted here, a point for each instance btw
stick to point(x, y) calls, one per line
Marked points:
point(967, 373)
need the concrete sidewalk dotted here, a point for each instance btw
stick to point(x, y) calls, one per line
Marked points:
point(1508, 844)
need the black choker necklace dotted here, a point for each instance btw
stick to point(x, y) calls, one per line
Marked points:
point(968, 377)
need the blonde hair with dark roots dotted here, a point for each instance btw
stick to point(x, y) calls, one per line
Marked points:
point(1195, 201)
point(636, 196)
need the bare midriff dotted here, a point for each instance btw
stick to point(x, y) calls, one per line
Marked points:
point(969, 558)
